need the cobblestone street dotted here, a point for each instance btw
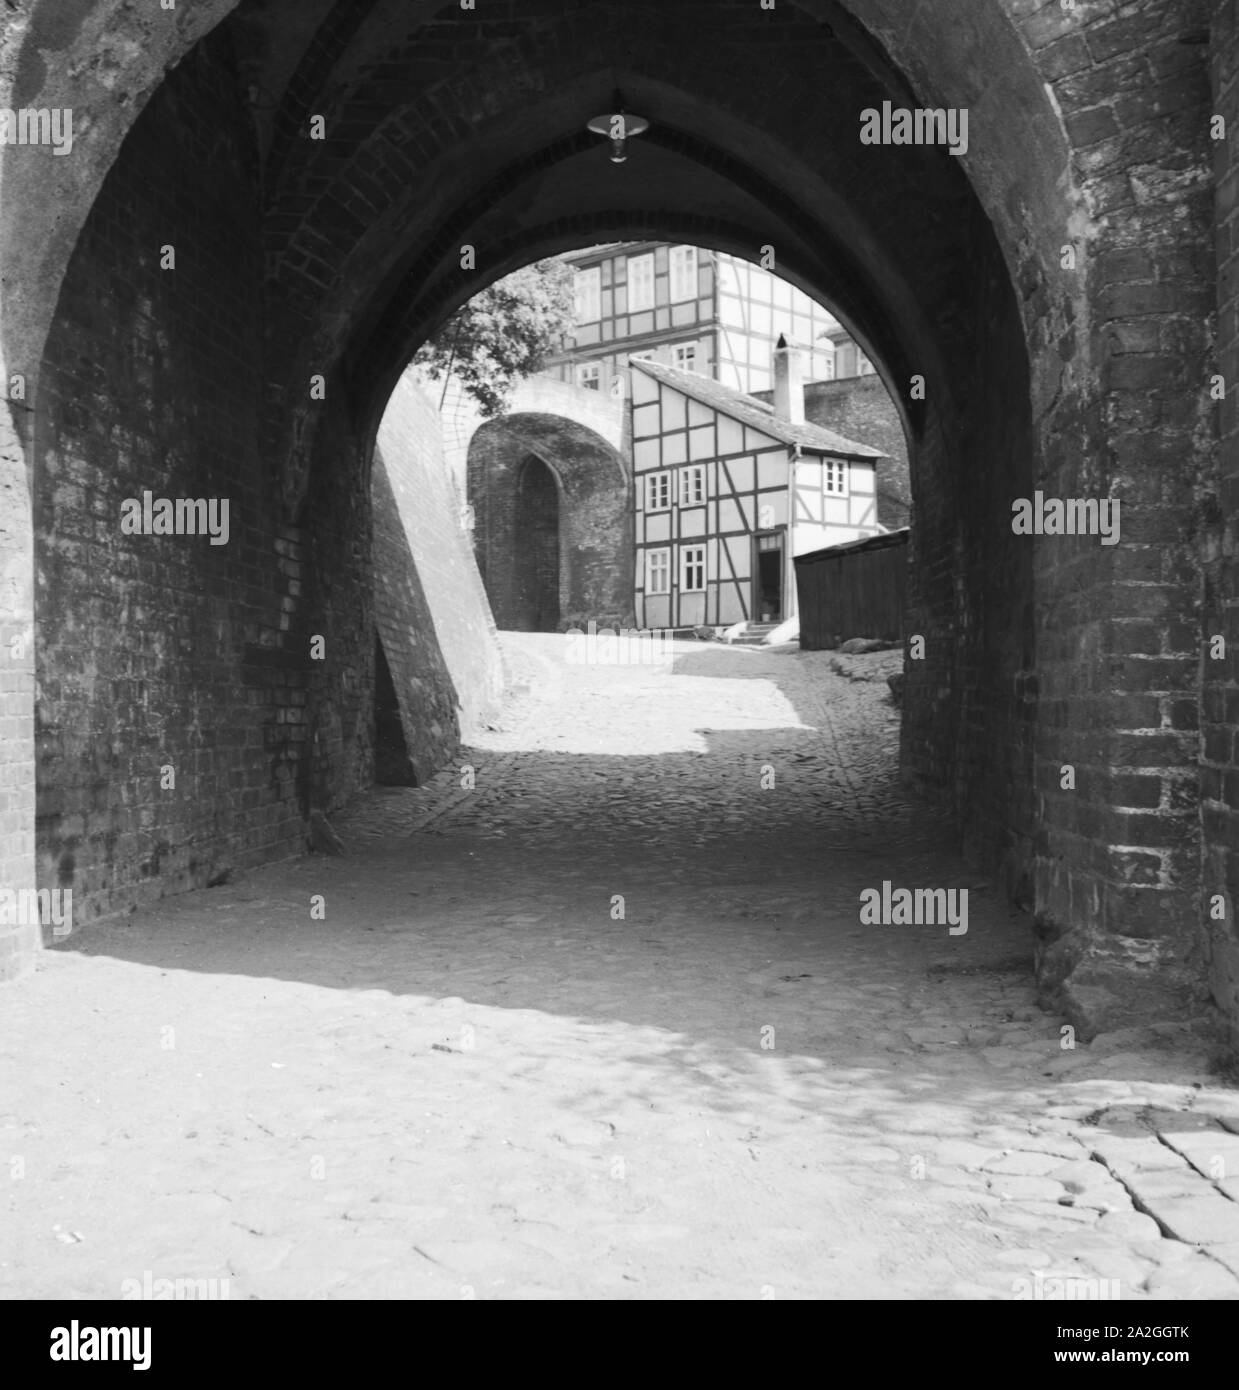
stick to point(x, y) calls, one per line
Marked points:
point(473, 1077)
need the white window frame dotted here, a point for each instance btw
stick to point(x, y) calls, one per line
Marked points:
point(687, 562)
point(589, 372)
point(659, 560)
point(587, 295)
point(647, 283)
point(835, 477)
point(682, 350)
point(693, 485)
point(658, 491)
point(683, 273)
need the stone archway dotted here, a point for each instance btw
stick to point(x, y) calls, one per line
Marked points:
point(593, 521)
point(1054, 312)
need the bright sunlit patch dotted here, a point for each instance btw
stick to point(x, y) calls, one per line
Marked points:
point(638, 709)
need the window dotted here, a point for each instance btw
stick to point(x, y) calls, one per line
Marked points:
point(686, 357)
point(640, 282)
point(589, 376)
point(657, 571)
point(692, 568)
point(683, 273)
point(834, 475)
point(693, 485)
point(588, 286)
point(657, 492)
point(863, 365)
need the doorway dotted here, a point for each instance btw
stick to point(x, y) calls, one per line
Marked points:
point(768, 577)
point(537, 539)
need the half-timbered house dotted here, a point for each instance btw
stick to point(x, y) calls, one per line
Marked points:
point(690, 307)
point(727, 490)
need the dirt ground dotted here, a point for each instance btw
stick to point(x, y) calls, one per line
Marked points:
point(593, 1014)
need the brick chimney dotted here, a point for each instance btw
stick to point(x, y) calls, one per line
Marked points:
point(788, 384)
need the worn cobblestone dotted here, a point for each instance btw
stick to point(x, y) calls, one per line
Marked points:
point(470, 1073)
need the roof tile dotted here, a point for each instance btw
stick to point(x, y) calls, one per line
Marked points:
point(814, 439)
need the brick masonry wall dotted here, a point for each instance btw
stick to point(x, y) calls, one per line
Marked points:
point(499, 466)
point(860, 408)
point(966, 730)
point(160, 651)
point(1219, 776)
point(1119, 628)
point(165, 653)
point(333, 600)
point(594, 513)
point(430, 604)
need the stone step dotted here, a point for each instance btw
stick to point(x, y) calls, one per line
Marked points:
point(754, 634)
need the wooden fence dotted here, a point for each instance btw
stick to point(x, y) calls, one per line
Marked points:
point(853, 590)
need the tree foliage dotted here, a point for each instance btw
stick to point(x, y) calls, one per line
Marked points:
point(503, 334)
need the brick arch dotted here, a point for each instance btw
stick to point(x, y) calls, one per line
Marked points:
point(778, 173)
point(1081, 378)
point(385, 316)
point(595, 523)
point(106, 57)
point(110, 91)
point(654, 57)
point(525, 123)
point(432, 121)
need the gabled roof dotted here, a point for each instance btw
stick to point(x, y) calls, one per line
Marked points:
point(812, 439)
